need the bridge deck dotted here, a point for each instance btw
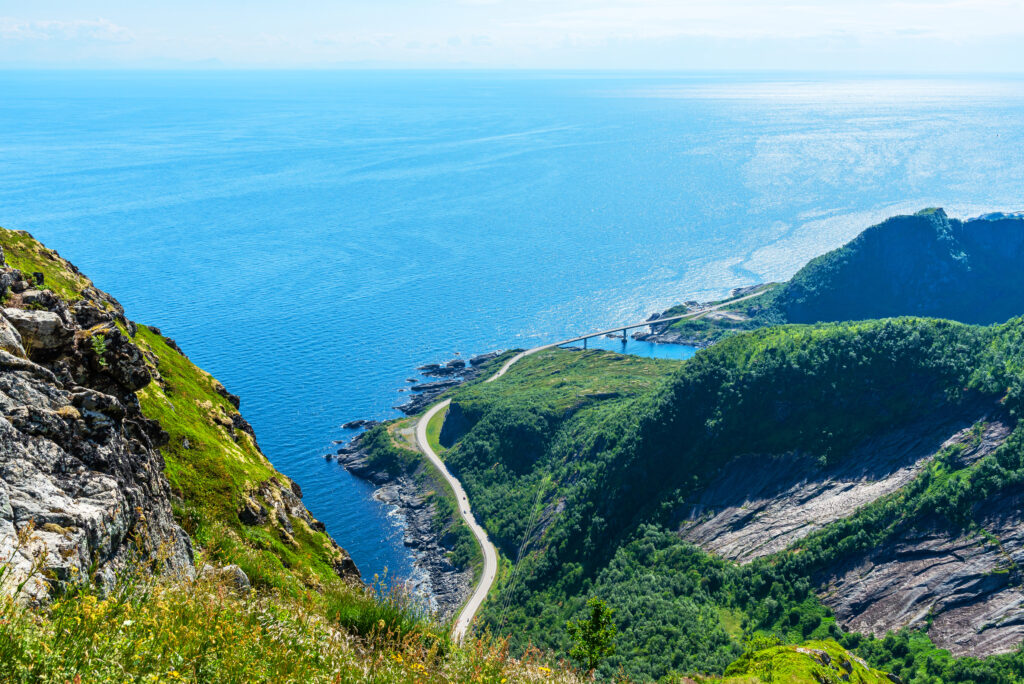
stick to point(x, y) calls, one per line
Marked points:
point(624, 328)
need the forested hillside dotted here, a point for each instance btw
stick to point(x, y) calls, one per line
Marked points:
point(588, 469)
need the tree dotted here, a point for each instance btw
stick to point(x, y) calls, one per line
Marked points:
point(593, 636)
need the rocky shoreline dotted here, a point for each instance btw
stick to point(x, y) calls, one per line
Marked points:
point(451, 373)
point(446, 585)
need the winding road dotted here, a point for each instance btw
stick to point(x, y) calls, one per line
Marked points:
point(490, 553)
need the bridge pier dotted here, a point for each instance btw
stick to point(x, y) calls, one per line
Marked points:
point(584, 343)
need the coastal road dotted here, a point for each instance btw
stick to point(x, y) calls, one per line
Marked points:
point(489, 551)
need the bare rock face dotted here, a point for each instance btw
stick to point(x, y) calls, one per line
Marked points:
point(965, 589)
point(759, 505)
point(967, 586)
point(81, 475)
point(83, 472)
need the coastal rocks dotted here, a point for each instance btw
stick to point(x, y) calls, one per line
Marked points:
point(481, 359)
point(418, 403)
point(438, 370)
point(361, 423)
point(448, 586)
point(439, 385)
point(454, 373)
point(355, 461)
point(660, 333)
point(233, 399)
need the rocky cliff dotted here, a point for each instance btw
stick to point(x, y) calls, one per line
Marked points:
point(105, 429)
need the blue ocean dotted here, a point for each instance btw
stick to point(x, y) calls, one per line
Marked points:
point(311, 237)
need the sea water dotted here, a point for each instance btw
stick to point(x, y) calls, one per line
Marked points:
point(311, 238)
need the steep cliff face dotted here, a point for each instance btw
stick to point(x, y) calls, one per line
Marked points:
point(962, 587)
point(90, 405)
point(757, 505)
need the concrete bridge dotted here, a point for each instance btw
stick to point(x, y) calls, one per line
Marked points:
point(611, 331)
point(667, 319)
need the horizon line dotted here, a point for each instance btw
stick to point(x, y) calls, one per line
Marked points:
point(340, 68)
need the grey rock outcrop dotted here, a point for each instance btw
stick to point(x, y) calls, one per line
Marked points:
point(964, 589)
point(455, 372)
point(758, 505)
point(82, 485)
point(80, 482)
point(40, 330)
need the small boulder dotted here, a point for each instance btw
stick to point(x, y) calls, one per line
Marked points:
point(39, 299)
point(98, 402)
point(39, 329)
point(346, 568)
point(222, 391)
point(481, 359)
point(360, 423)
point(237, 577)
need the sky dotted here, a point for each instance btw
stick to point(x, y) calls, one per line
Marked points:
point(911, 36)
